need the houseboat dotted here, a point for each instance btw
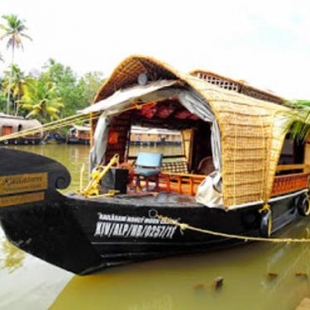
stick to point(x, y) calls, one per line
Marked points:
point(13, 125)
point(241, 176)
point(78, 134)
point(154, 136)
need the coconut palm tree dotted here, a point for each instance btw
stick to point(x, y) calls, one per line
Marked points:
point(15, 87)
point(14, 32)
point(39, 101)
point(299, 118)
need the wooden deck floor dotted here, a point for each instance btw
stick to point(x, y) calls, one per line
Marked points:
point(139, 198)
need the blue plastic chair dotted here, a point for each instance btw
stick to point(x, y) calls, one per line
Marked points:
point(147, 168)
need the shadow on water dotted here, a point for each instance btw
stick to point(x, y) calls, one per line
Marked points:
point(253, 276)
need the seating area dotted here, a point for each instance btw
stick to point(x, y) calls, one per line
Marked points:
point(175, 177)
point(147, 168)
point(175, 166)
point(152, 173)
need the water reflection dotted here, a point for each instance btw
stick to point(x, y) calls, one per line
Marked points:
point(255, 276)
point(12, 256)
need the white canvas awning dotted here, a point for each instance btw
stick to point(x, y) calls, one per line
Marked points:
point(124, 97)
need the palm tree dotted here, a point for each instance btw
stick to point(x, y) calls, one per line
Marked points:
point(2, 96)
point(39, 101)
point(299, 118)
point(14, 31)
point(15, 87)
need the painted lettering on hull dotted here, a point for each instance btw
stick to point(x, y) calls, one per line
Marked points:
point(111, 225)
point(21, 199)
point(21, 183)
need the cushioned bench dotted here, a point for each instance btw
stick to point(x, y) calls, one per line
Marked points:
point(175, 166)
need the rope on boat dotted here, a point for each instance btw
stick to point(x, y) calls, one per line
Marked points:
point(184, 226)
point(68, 121)
point(49, 126)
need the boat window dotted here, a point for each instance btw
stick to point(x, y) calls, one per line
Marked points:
point(6, 130)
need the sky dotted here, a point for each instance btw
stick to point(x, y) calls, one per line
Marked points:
point(264, 42)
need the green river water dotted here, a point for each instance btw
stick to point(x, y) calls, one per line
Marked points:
point(255, 275)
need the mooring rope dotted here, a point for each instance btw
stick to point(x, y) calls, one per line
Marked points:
point(49, 126)
point(184, 226)
point(69, 121)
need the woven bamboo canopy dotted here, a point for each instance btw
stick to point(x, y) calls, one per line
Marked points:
point(252, 130)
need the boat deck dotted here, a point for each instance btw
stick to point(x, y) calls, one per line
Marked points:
point(158, 199)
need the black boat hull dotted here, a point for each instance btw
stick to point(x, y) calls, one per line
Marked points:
point(83, 235)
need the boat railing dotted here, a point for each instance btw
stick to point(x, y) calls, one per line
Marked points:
point(296, 177)
point(182, 183)
point(290, 183)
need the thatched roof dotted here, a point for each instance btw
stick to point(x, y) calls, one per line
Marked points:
point(252, 132)
point(239, 86)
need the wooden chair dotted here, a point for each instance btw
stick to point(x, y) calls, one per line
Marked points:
point(147, 168)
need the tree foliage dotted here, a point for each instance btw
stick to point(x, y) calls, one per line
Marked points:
point(2, 99)
point(76, 93)
point(39, 101)
point(13, 82)
point(299, 118)
point(13, 30)
point(52, 92)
